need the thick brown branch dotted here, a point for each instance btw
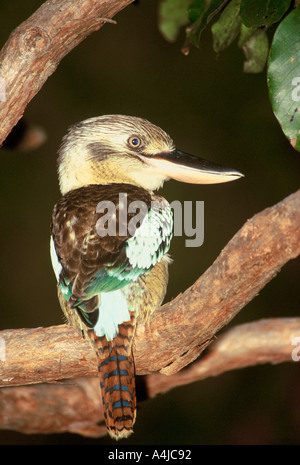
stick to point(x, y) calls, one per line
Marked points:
point(265, 341)
point(36, 47)
point(75, 406)
point(247, 263)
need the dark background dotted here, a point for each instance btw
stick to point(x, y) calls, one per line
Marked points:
point(210, 109)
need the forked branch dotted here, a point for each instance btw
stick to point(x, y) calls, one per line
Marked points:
point(251, 259)
point(74, 405)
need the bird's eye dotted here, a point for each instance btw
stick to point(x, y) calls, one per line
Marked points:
point(134, 142)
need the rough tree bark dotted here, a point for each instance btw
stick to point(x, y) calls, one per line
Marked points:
point(250, 260)
point(36, 47)
point(74, 406)
point(252, 257)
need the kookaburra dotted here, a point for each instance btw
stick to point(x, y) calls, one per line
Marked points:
point(106, 282)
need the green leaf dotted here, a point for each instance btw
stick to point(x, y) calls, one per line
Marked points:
point(246, 33)
point(284, 76)
point(257, 13)
point(256, 49)
point(228, 26)
point(172, 16)
point(197, 9)
point(200, 14)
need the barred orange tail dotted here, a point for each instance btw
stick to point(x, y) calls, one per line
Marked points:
point(117, 381)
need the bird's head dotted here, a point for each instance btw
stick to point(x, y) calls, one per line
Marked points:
point(125, 149)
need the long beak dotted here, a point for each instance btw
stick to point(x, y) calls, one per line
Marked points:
point(187, 168)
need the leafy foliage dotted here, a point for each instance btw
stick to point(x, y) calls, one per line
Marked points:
point(284, 76)
point(173, 15)
point(263, 13)
point(247, 19)
point(227, 28)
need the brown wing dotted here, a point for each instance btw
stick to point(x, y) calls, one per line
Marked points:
point(81, 251)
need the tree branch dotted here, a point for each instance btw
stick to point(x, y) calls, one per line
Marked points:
point(74, 405)
point(248, 262)
point(36, 47)
point(252, 257)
